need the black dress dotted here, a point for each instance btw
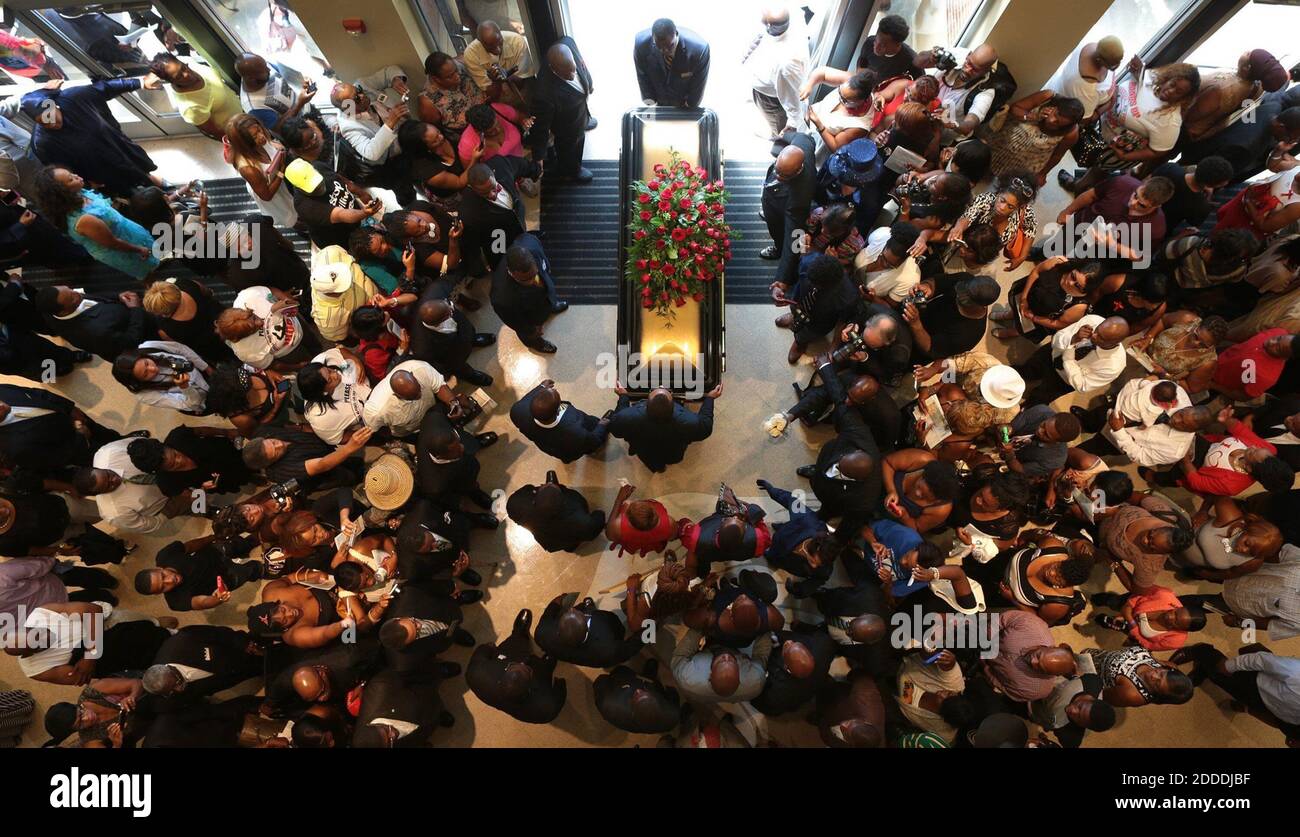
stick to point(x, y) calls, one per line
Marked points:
point(198, 332)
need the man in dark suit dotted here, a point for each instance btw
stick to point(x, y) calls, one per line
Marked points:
point(557, 427)
point(510, 677)
point(23, 352)
point(399, 712)
point(492, 202)
point(658, 429)
point(45, 432)
point(856, 619)
point(448, 463)
point(557, 516)
point(523, 292)
point(418, 626)
point(787, 199)
point(298, 677)
point(865, 394)
point(1276, 423)
point(430, 541)
point(672, 65)
point(559, 104)
point(797, 668)
point(638, 704)
point(102, 325)
point(580, 633)
point(846, 477)
point(802, 546)
point(442, 335)
point(200, 660)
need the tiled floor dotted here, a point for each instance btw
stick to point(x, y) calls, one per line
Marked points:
point(520, 575)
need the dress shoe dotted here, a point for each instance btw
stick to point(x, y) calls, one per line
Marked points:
point(583, 175)
point(482, 520)
point(82, 357)
point(591, 123)
point(795, 353)
point(466, 302)
point(1066, 180)
point(468, 596)
point(477, 378)
point(798, 392)
point(546, 347)
point(446, 670)
point(1085, 419)
point(785, 321)
point(471, 577)
point(770, 253)
point(483, 339)
point(486, 440)
point(138, 434)
point(560, 307)
point(480, 498)
point(807, 471)
point(463, 638)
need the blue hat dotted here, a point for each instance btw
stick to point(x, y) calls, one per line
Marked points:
point(857, 164)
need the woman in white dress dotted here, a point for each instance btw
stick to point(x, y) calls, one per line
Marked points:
point(260, 160)
point(335, 387)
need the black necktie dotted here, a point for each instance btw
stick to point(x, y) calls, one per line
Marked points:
point(1163, 418)
point(1083, 351)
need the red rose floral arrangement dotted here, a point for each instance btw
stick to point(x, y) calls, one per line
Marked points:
point(679, 237)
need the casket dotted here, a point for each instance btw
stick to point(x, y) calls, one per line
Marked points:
point(687, 353)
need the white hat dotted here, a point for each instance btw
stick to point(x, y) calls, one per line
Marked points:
point(331, 278)
point(1002, 387)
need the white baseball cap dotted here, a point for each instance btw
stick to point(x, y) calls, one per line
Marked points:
point(331, 278)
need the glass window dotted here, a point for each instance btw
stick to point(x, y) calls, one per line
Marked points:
point(270, 29)
point(53, 66)
point(1254, 26)
point(1135, 22)
point(933, 22)
point(459, 18)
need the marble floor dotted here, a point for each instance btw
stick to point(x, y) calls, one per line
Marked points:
point(518, 574)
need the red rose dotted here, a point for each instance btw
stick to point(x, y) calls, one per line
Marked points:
point(664, 206)
point(646, 216)
point(647, 303)
point(680, 302)
point(701, 206)
point(685, 203)
point(654, 264)
point(644, 197)
point(699, 297)
point(708, 250)
point(639, 234)
point(699, 258)
point(659, 168)
point(679, 234)
point(669, 270)
point(641, 264)
point(645, 278)
point(654, 185)
point(686, 271)
point(663, 294)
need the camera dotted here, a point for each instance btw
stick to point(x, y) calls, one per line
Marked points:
point(943, 59)
point(918, 299)
point(173, 364)
point(915, 191)
point(282, 491)
point(856, 343)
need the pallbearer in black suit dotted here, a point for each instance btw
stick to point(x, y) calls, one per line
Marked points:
point(846, 478)
point(638, 704)
point(788, 193)
point(492, 210)
point(558, 100)
point(510, 677)
point(797, 668)
point(442, 335)
point(557, 516)
point(45, 432)
point(672, 65)
point(658, 429)
point(420, 625)
point(523, 292)
point(579, 633)
point(557, 427)
point(399, 712)
point(448, 465)
point(200, 660)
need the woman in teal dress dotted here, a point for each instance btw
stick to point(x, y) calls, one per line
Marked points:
point(92, 222)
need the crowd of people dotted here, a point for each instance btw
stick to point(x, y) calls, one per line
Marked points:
point(338, 469)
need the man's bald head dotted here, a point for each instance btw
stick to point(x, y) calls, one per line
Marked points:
point(864, 389)
point(731, 533)
point(660, 405)
point(1056, 661)
point(252, 67)
point(789, 162)
point(433, 312)
point(857, 465)
point(776, 16)
point(549, 498)
point(1110, 332)
point(560, 59)
point(489, 35)
point(310, 685)
point(545, 404)
point(405, 386)
point(571, 629)
point(644, 707)
point(798, 660)
point(984, 55)
point(867, 629)
point(724, 674)
point(342, 92)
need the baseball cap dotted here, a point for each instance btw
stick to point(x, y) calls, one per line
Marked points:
point(303, 176)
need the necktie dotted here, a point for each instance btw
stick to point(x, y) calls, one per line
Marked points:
point(1083, 351)
point(668, 60)
point(142, 479)
point(1163, 418)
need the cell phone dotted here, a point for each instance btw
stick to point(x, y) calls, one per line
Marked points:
point(1005, 434)
point(382, 98)
point(933, 658)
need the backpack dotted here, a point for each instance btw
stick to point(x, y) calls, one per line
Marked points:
point(348, 163)
point(1001, 82)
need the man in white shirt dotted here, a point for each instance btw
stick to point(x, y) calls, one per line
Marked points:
point(401, 399)
point(717, 674)
point(778, 65)
point(1153, 423)
point(885, 267)
point(372, 133)
point(493, 57)
point(964, 109)
point(127, 497)
point(1089, 73)
point(1084, 356)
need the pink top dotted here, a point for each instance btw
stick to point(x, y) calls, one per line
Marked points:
point(512, 144)
point(1154, 600)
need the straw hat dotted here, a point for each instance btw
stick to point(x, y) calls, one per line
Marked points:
point(389, 482)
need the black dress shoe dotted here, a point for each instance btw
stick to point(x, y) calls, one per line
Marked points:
point(807, 471)
point(82, 357)
point(546, 347)
point(1066, 180)
point(591, 123)
point(463, 638)
point(770, 253)
point(560, 307)
point(480, 498)
point(138, 434)
point(471, 577)
point(469, 596)
point(486, 440)
point(482, 339)
point(483, 520)
point(477, 378)
point(583, 175)
point(448, 669)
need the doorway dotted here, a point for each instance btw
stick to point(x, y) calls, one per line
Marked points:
point(605, 32)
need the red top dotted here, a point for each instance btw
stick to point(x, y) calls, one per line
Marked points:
point(1225, 482)
point(1248, 366)
point(762, 537)
point(632, 539)
point(1155, 600)
point(376, 355)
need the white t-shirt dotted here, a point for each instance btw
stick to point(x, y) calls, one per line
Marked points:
point(1068, 82)
point(331, 424)
point(1140, 111)
point(953, 99)
point(279, 334)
